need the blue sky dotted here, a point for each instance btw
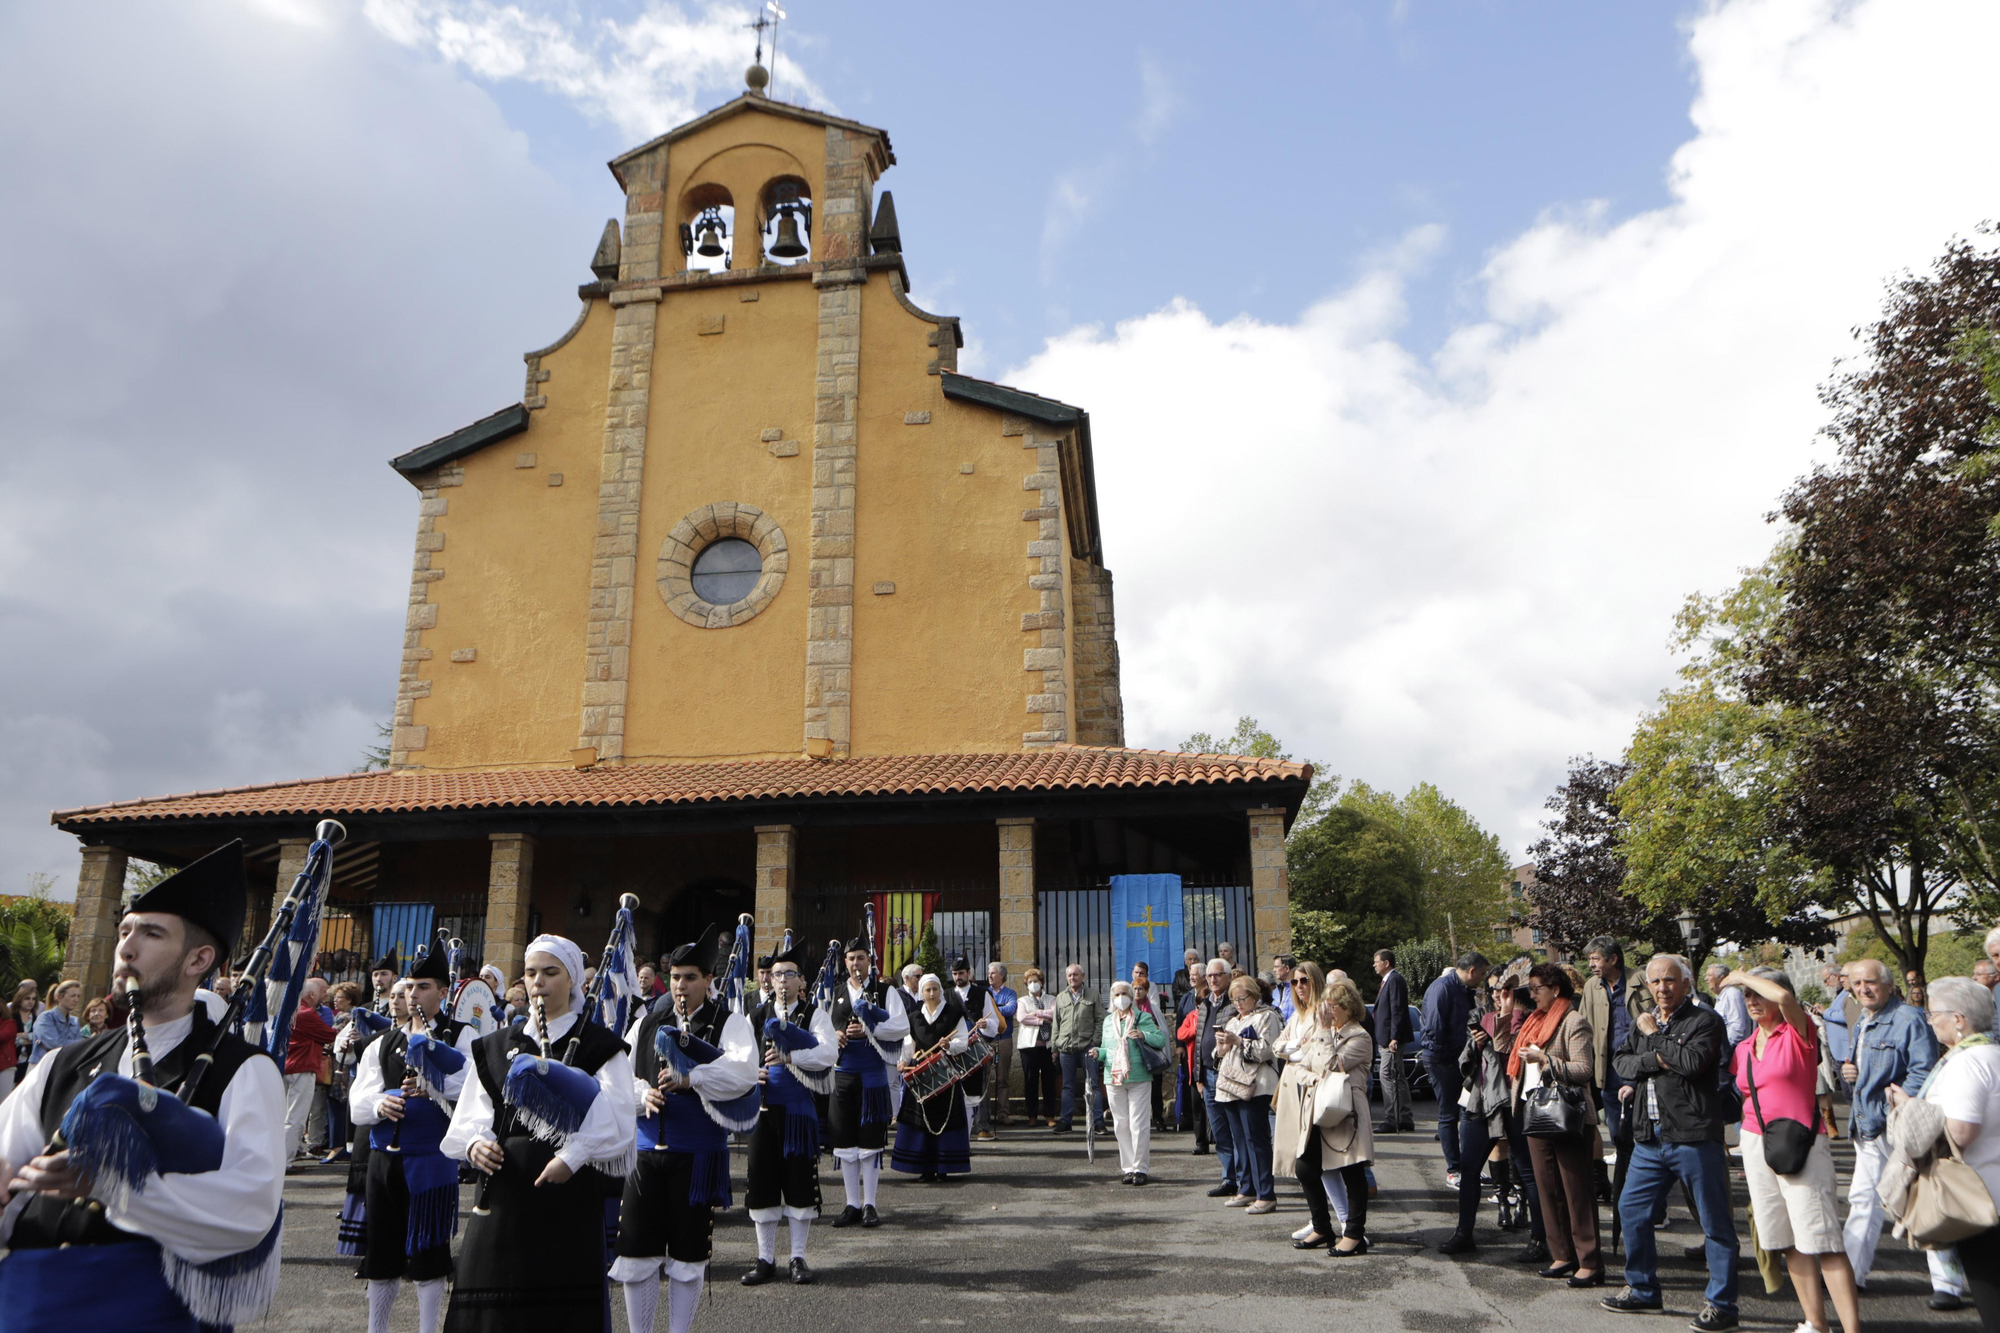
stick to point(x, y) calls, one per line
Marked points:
point(1434, 352)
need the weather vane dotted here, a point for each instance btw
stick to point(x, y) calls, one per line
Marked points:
point(768, 19)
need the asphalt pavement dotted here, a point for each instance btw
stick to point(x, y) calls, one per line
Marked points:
point(1039, 1238)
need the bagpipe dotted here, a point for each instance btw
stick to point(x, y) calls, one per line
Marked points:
point(428, 1062)
point(735, 983)
point(550, 1096)
point(120, 1132)
point(790, 1038)
point(683, 1052)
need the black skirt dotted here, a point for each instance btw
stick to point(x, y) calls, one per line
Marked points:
point(536, 1262)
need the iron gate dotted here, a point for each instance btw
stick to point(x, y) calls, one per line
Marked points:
point(1074, 926)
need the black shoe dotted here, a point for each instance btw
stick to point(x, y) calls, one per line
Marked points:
point(760, 1272)
point(1061, 1129)
point(1312, 1242)
point(1201, 1150)
point(1138, 1177)
point(801, 1275)
point(1944, 1300)
point(1695, 1253)
point(1711, 1318)
point(1594, 1280)
point(1558, 1270)
point(848, 1216)
point(1223, 1192)
point(1459, 1242)
point(1125, 1179)
point(1335, 1252)
point(1534, 1252)
point(1385, 1129)
point(869, 1217)
point(1627, 1303)
point(928, 1178)
point(1407, 1127)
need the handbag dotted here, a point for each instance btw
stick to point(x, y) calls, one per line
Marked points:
point(1947, 1202)
point(1333, 1100)
point(1787, 1143)
point(1552, 1111)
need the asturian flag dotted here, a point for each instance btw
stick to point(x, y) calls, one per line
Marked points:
point(1146, 925)
point(621, 992)
point(286, 981)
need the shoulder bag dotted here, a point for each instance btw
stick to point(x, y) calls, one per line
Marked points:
point(1947, 1202)
point(1787, 1143)
point(1552, 1111)
point(1333, 1100)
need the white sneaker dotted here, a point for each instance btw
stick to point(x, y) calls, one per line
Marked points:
point(1303, 1232)
point(1805, 1326)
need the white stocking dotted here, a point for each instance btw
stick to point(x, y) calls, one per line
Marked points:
point(683, 1298)
point(381, 1303)
point(871, 1176)
point(767, 1241)
point(642, 1297)
point(801, 1228)
point(850, 1180)
point(430, 1304)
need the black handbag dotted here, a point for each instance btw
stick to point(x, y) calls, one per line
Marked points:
point(1552, 1111)
point(1787, 1143)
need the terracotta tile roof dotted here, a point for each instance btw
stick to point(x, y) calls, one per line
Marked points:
point(1059, 767)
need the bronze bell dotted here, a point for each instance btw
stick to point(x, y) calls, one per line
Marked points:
point(709, 247)
point(788, 245)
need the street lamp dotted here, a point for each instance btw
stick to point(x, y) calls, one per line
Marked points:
point(1690, 925)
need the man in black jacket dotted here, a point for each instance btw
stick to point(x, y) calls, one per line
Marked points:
point(1392, 1034)
point(1677, 1105)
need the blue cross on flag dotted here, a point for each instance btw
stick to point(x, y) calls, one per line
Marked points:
point(1146, 925)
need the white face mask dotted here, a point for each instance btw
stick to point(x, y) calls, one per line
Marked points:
point(1121, 1002)
point(1034, 988)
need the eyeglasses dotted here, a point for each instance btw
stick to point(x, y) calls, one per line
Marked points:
point(780, 973)
point(1301, 981)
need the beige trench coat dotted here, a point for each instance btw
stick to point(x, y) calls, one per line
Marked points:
point(1318, 1052)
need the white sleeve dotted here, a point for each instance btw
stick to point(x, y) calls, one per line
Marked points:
point(1959, 1090)
point(734, 1073)
point(366, 1089)
point(959, 1039)
point(609, 1133)
point(454, 1085)
point(21, 1120)
point(632, 1048)
point(897, 1025)
point(213, 1214)
point(989, 1024)
point(818, 1059)
point(471, 1120)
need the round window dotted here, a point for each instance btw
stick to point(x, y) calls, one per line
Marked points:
point(727, 571)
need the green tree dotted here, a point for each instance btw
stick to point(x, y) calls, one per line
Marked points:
point(1465, 872)
point(34, 935)
point(928, 955)
point(1361, 874)
point(1253, 742)
point(1421, 961)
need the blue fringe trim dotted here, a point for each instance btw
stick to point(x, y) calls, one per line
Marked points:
point(802, 1132)
point(113, 1150)
point(433, 1217)
point(353, 1233)
point(875, 1105)
point(710, 1184)
point(235, 1289)
point(738, 1114)
point(544, 1111)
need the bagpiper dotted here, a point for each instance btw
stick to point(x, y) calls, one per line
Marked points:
point(534, 1260)
point(870, 1021)
point(666, 1220)
point(351, 1233)
point(796, 1047)
point(191, 1243)
point(404, 1091)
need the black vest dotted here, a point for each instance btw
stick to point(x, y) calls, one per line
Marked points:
point(707, 1024)
point(494, 1053)
point(47, 1222)
point(802, 1015)
point(928, 1034)
point(396, 1047)
point(842, 1011)
point(974, 1003)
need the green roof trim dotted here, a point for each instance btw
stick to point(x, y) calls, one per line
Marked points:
point(1030, 405)
point(508, 421)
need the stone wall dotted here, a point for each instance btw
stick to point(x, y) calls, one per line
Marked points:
point(1100, 705)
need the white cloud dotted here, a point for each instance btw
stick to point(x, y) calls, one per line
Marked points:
point(654, 71)
point(1462, 567)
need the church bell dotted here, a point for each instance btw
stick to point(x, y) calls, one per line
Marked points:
point(709, 246)
point(788, 245)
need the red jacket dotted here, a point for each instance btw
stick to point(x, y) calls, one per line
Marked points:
point(311, 1035)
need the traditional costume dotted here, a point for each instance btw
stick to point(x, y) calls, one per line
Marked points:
point(666, 1220)
point(981, 1016)
point(784, 1148)
point(366, 1026)
point(932, 1137)
point(535, 1261)
point(860, 1111)
point(193, 1242)
point(412, 1187)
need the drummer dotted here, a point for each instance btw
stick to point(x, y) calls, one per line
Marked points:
point(932, 1139)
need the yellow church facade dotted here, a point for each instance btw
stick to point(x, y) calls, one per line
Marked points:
point(753, 602)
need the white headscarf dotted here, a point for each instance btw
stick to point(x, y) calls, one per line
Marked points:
point(930, 1014)
point(567, 953)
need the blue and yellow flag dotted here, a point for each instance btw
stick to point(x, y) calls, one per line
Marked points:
point(1146, 925)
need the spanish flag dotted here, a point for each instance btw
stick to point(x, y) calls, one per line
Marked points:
point(903, 917)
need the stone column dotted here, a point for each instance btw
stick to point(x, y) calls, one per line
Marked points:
point(1270, 888)
point(510, 884)
point(777, 862)
point(1017, 897)
point(93, 932)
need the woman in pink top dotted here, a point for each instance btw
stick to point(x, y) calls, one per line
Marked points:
point(1797, 1215)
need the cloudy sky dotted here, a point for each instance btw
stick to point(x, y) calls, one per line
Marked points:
point(1434, 351)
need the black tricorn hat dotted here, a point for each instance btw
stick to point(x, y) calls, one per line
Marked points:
point(960, 963)
point(796, 956)
point(700, 954)
point(212, 893)
point(433, 966)
point(764, 963)
point(859, 944)
point(388, 962)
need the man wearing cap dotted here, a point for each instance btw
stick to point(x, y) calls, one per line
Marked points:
point(130, 1258)
point(412, 1187)
point(796, 1047)
point(763, 995)
point(666, 1220)
point(870, 1021)
point(981, 1016)
point(351, 1235)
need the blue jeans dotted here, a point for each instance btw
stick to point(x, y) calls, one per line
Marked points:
point(1218, 1130)
point(1475, 1141)
point(1250, 1128)
point(1074, 1063)
point(1705, 1169)
point(1445, 1080)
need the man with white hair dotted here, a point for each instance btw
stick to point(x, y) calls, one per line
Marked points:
point(1993, 957)
point(1729, 1005)
point(1893, 1047)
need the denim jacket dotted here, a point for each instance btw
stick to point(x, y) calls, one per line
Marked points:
point(1893, 1045)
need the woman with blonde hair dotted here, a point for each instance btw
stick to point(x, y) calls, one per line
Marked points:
point(1343, 1046)
point(1246, 1078)
point(1294, 1147)
point(58, 1027)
